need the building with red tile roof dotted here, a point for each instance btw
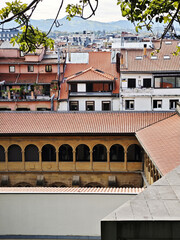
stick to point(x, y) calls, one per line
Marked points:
point(76, 149)
point(92, 85)
point(29, 79)
point(150, 82)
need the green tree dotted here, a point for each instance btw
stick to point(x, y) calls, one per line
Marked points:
point(143, 13)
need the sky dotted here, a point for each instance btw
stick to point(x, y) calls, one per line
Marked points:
point(107, 11)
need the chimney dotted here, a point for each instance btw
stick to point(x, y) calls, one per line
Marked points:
point(145, 50)
point(69, 51)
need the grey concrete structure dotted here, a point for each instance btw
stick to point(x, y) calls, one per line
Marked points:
point(46, 213)
point(153, 214)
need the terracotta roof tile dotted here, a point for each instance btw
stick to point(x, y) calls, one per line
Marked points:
point(47, 77)
point(161, 141)
point(27, 78)
point(8, 77)
point(77, 123)
point(90, 74)
point(147, 64)
point(71, 190)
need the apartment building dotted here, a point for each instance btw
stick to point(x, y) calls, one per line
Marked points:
point(150, 81)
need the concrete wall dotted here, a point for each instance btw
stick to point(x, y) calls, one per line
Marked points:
point(56, 214)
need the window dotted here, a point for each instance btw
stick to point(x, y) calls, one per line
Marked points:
point(99, 153)
point(106, 106)
point(131, 82)
point(147, 82)
point(157, 103)
point(166, 57)
point(30, 68)
point(154, 57)
point(89, 87)
point(172, 104)
point(73, 106)
point(48, 153)
point(90, 106)
point(48, 68)
point(11, 68)
point(74, 87)
point(167, 82)
point(129, 104)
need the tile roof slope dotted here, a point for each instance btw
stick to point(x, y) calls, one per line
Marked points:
point(90, 74)
point(162, 143)
point(27, 78)
point(160, 201)
point(9, 78)
point(97, 60)
point(77, 123)
point(147, 64)
point(84, 190)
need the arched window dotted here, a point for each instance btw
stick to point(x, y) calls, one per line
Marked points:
point(31, 153)
point(82, 153)
point(65, 153)
point(99, 153)
point(2, 154)
point(116, 153)
point(134, 153)
point(48, 153)
point(14, 153)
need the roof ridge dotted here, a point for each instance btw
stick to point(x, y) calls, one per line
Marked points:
point(95, 70)
point(156, 122)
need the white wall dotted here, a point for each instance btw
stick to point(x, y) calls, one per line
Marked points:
point(81, 87)
point(56, 214)
point(63, 106)
point(98, 102)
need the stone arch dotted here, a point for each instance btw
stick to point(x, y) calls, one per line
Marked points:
point(48, 153)
point(65, 153)
point(58, 184)
point(134, 153)
point(23, 184)
point(14, 153)
point(99, 153)
point(82, 153)
point(31, 153)
point(94, 184)
point(2, 154)
point(116, 153)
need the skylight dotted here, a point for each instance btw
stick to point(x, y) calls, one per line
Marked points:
point(166, 57)
point(139, 57)
point(154, 57)
point(168, 43)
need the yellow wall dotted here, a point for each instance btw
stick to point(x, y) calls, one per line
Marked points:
point(63, 171)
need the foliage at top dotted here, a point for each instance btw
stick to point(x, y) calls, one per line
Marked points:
point(143, 13)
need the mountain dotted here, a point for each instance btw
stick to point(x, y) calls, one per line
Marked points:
point(78, 25)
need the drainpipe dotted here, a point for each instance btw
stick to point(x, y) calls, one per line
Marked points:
point(52, 102)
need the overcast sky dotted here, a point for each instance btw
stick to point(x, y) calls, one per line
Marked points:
point(107, 11)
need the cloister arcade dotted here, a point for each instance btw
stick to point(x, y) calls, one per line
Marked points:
point(82, 153)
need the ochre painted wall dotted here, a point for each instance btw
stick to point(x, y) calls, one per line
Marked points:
point(127, 173)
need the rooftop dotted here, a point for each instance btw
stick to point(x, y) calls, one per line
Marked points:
point(77, 123)
point(80, 190)
point(160, 201)
point(161, 141)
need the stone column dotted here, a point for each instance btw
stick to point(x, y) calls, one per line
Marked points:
point(6, 160)
point(57, 159)
point(40, 159)
point(74, 159)
point(108, 160)
point(23, 159)
point(91, 159)
point(125, 160)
